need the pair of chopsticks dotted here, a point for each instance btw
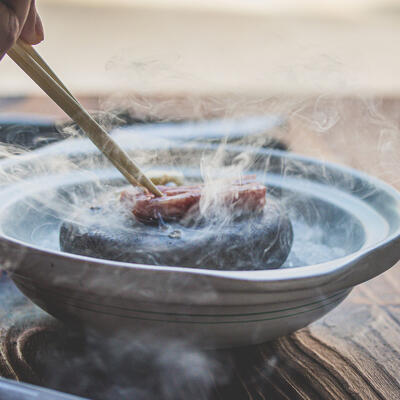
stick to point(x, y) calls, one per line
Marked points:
point(37, 69)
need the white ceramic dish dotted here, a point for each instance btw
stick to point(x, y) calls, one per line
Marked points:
point(349, 220)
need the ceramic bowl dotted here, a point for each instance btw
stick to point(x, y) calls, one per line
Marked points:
point(346, 231)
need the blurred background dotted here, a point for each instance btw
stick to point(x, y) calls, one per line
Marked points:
point(262, 47)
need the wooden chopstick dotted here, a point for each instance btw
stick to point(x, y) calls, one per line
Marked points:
point(37, 69)
point(38, 58)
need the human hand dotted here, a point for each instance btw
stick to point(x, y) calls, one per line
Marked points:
point(19, 19)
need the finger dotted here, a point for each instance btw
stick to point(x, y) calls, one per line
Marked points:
point(13, 14)
point(32, 32)
point(19, 8)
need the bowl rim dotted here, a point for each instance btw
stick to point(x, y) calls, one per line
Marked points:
point(295, 278)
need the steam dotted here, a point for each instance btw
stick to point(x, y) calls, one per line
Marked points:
point(320, 127)
point(149, 366)
point(218, 176)
point(322, 119)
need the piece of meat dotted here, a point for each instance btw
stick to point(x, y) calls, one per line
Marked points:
point(176, 202)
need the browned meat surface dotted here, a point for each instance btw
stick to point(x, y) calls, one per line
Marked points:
point(177, 202)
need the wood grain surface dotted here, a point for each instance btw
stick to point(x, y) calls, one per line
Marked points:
point(352, 353)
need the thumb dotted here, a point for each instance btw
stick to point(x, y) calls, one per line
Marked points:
point(32, 32)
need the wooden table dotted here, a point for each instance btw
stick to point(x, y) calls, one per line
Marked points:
point(354, 352)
